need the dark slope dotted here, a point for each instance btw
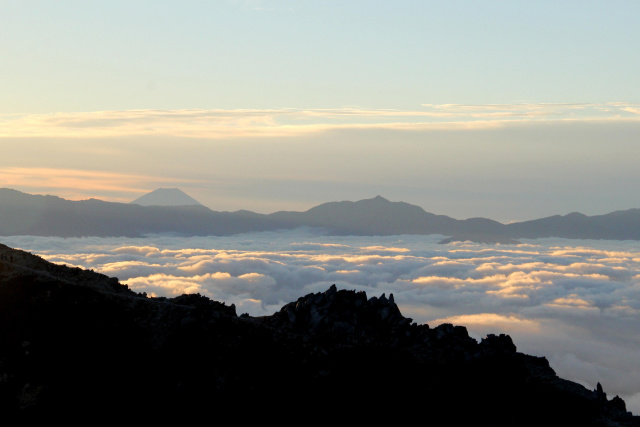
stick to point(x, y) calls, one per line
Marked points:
point(76, 344)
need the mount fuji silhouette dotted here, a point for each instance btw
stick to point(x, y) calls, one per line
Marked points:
point(166, 197)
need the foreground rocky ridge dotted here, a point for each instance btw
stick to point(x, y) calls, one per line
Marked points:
point(75, 342)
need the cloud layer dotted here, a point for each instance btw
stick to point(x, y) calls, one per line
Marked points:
point(575, 302)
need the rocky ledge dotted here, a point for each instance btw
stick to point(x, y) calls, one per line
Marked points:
point(75, 344)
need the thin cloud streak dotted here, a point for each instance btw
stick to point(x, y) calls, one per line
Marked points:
point(288, 122)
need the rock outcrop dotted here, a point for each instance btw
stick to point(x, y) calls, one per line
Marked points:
point(76, 344)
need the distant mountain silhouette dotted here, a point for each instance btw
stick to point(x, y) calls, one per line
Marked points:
point(166, 197)
point(618, 225)
point(26, 214)
point(76, 345)
point(379, 216)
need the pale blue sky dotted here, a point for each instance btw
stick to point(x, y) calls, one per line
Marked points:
point(121, 55)
point(506, 109)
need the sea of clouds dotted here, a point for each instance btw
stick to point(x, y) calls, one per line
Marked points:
point(576, 302)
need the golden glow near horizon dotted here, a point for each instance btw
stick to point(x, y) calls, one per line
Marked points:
point(532, 160)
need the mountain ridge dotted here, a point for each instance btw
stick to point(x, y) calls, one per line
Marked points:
point(28, 214)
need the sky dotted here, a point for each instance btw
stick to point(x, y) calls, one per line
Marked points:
point(508, 110)
point(575, 302)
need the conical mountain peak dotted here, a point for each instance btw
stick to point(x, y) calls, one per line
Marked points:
point(379, 199)
point(166, 197)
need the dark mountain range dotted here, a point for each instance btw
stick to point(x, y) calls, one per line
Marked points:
point(77, 345)
point(25, 214)
point(365, 216)
point(619, 225)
